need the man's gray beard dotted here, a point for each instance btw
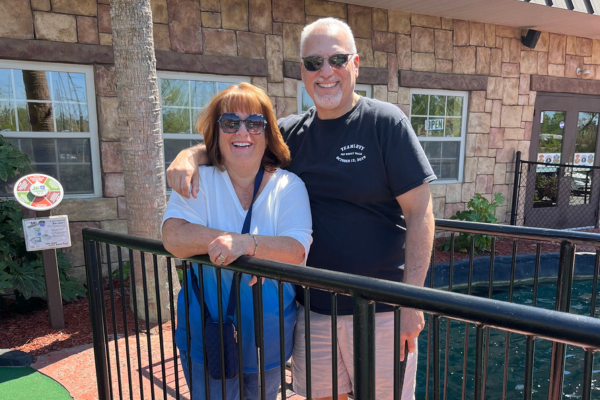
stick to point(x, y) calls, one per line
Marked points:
point(328, 102)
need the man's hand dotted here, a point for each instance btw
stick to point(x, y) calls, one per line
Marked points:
point(420, 226)
point(183, 173)
point(412, 323)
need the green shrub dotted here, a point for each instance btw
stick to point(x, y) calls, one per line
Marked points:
point(479, 209)
point(12, 161)
point(126, 271)
point(20, 270)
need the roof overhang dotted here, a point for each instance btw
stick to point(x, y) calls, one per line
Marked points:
point(577, 21)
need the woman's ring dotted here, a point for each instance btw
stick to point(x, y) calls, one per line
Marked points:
point(221, 258)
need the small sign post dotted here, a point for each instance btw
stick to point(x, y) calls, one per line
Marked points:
point(42, 193)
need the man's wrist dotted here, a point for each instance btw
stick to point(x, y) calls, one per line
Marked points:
point(193, 155)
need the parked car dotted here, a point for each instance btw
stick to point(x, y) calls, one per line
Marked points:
point(580, 185)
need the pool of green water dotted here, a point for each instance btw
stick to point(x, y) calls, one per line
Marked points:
point(573, 376)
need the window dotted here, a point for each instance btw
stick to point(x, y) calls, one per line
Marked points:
point(439, 119)
point(182, 96)
point(305, 102)
point(48, 111)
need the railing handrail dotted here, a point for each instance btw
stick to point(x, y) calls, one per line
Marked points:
point(519, 232)
point(573, 329)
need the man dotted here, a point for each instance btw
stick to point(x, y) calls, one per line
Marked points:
point(364, 169)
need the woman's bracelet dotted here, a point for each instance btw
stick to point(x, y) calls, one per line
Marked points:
point(255, 243)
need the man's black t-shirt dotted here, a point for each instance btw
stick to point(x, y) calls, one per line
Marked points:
point(354, 167)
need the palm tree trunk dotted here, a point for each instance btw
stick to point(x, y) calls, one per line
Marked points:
point(141, 142)
point(36, 88)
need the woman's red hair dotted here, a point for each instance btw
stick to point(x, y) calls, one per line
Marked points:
point(252, 100)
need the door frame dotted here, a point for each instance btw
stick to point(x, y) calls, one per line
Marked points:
point(558, 217)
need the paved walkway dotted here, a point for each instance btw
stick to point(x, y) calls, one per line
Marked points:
point(75, 369)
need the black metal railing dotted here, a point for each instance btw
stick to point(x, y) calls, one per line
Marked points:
point(555, 196)
point(469, 310)
point(537, 257)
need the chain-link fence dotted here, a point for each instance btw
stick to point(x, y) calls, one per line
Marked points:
point(555, 196)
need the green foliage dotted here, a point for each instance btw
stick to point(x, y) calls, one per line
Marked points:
point(479, 209)
point(20, 270)
point(546, 185)
point(12, 161)
point(126, 271)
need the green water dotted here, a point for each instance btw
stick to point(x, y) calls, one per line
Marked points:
point(580, 304)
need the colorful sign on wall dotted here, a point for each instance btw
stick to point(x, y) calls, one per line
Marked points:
point(586, 159)
point(549, 158)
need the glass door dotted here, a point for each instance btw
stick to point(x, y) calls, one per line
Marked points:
point(584, 157)
point(562, 188)
point(550, 146)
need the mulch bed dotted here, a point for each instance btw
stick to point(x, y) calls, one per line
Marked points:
point(504, 247)
point(32, 333)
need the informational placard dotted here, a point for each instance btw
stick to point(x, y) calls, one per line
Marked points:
point(549, 158)
point(47, 233)
point(586, 159)
point(38, 192)
point(434, 124)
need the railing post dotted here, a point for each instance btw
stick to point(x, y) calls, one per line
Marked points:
point(364, 348)
point(566, 265)
point(478, 382)
point(513, 211)
point(94, 286)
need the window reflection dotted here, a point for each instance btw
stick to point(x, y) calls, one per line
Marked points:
point(49, 101)
point(551, 135)
point(183, 99)
point(443, 157)
point(585, 155)
point(42, 101)
point(550, 149)
point(546, 187)
point(439, 116)
point(68, 160)
point(68, 87)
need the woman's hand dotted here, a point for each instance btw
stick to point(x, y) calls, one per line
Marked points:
point(227, 248)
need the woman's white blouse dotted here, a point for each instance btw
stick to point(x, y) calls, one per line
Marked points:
point(281, 209)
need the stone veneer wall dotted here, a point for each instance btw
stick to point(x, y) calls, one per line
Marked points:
point(500, 113)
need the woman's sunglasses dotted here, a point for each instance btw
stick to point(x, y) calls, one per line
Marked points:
point(255, 123)
point(337, 61)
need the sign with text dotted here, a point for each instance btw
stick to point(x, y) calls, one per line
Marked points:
point(38, 192)
point(47, 233)
point(434, 124)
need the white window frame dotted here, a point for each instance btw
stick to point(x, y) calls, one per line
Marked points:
point(463, 136)
point(366, 88)
point(185, 76)
point(92, 135)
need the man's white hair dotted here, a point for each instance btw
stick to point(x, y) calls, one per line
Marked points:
point(331, 26)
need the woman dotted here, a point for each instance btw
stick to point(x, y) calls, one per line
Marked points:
point(241, 137)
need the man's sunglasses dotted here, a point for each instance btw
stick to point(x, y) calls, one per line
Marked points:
point(255, 123)
point(337, 61)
